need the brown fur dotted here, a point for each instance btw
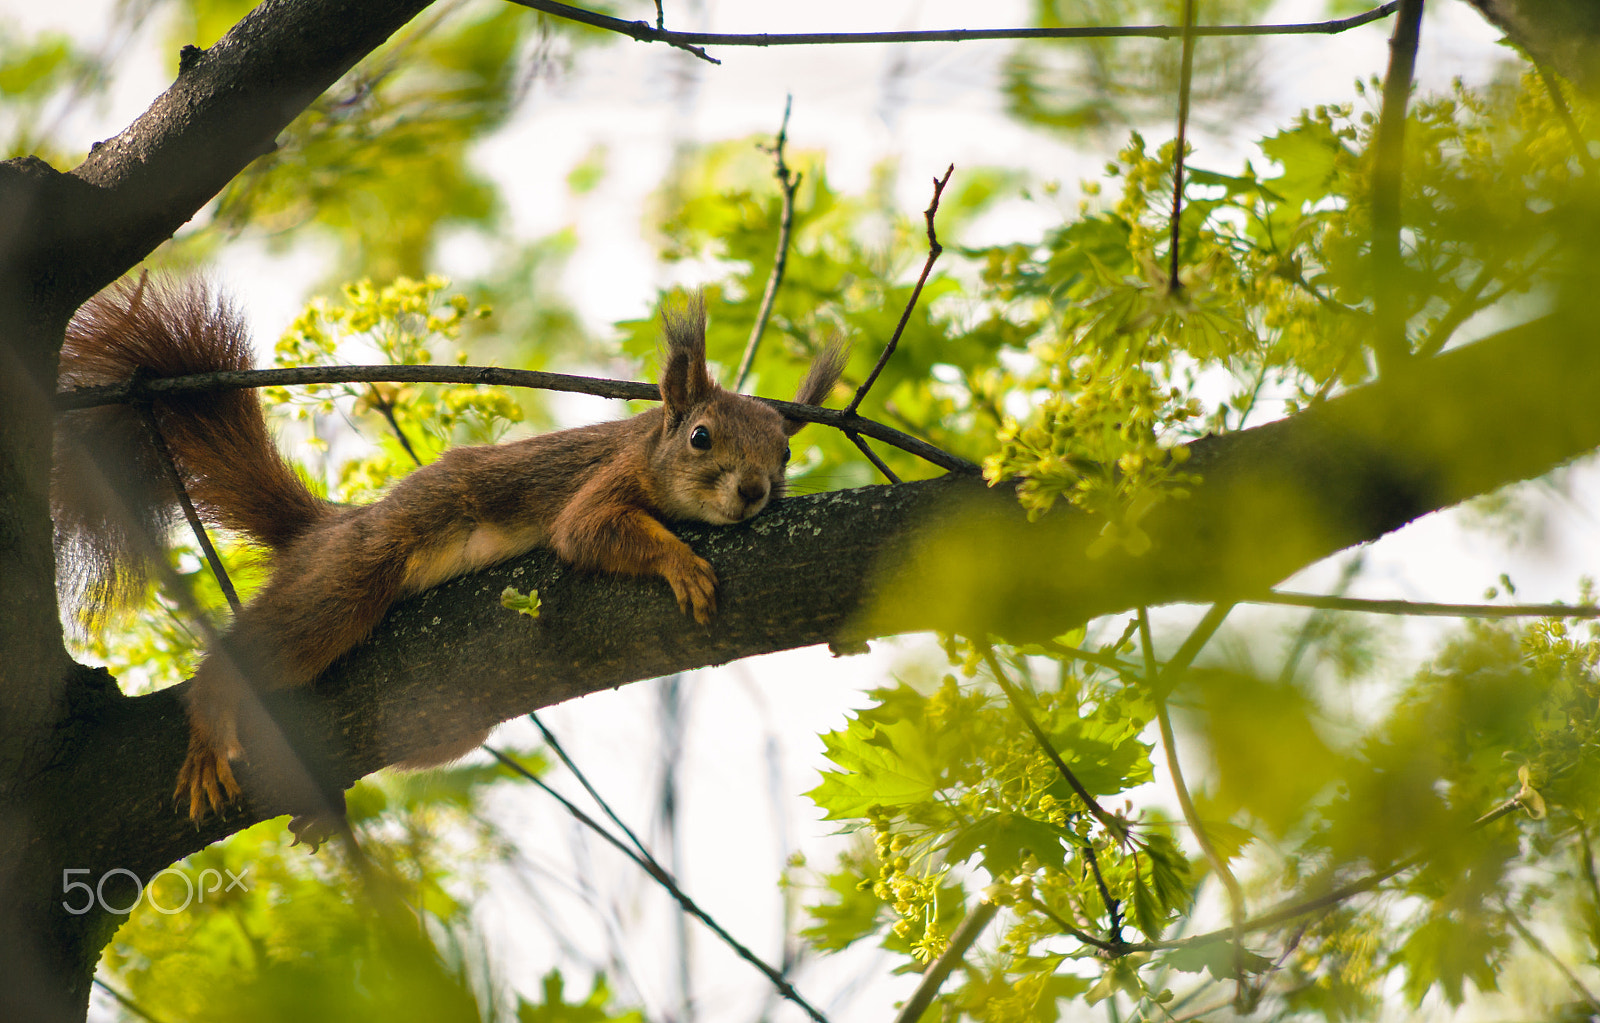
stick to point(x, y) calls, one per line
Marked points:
point(597, 495)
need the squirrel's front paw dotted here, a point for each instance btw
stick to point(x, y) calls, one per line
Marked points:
point(695, 585)
point(207, 779)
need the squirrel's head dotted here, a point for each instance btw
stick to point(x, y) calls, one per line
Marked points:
point(721, 455)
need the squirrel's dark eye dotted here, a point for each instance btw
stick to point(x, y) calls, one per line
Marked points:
point(700, 438)
point(786, 454)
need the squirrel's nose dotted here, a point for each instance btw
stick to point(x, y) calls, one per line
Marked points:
point(753, 491)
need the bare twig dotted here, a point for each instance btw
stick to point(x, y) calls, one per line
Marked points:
point(648, 864)
point(1294, 910)
point(583, 779)
point(1117, 827)
point(643, 32)
point(1219, 864)
point(111, 394)
point(175, 479)
point(872, 456)
point(1467, 303)
point(939, 970)
point(1425, 609)
point(1185, 74)
point(1066, 926)
point(1162, 684)
point(126, 1002)
point(386, 407)
point(787, 184)
point(1544, 950)
point(934, 249)
point(1388, 290)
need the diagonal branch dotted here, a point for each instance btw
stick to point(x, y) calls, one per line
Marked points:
point(934, 250)
point(648, 863)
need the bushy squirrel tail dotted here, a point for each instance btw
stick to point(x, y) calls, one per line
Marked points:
point(111, 495)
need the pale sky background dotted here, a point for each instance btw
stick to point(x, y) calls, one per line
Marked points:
point(751, 727)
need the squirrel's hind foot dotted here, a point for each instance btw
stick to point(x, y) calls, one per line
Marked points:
point(207, 779)
point(314, 830)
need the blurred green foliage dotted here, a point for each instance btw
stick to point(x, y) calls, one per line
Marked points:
point(1097, 86)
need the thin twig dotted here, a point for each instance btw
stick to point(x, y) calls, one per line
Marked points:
point(583, 780)
point(1162, 684)
point(934, 249)
point(175, 479)
point(1185, 74)
point(1544, 950)
point(1580, 146)
point(127, 1002)
point(787, 185)
point(1116, 827)
point(1424, 608)
point(1294, 910)
point(1219, 864)
point(131, 390)
point(1309, 629)
point(939, 970)
point(1116, 664)
point(1067, 927)
point(387, 408)
point(872, 456)
point(648, 864)
point(1388, 290)
point(1460, 311)
point(643, 32)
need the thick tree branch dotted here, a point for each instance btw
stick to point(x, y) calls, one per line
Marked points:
point(71, 234)
point(949, 553)
point(64, 236)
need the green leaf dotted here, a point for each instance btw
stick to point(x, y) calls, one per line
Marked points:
point(855, 914)
point(1218, 958)
point(888, 765)
point(556, 1009)
point(1309, 154)
point(1448, 953)
point(1003, 838)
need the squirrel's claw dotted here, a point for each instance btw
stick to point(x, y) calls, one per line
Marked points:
point(207, 779)
point(694, 583)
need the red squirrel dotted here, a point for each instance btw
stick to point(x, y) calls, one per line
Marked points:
point(597, 495)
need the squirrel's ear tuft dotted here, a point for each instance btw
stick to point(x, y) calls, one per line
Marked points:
point(820, 378)
point(685, 382)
